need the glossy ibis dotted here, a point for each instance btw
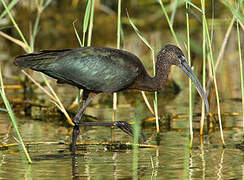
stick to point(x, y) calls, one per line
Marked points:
point(101, 69)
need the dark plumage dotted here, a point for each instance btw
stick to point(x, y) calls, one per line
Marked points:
point(90, 68)
point(100, 69)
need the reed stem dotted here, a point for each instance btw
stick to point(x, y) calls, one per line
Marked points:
point(189, 62)
point(91, 23)
point(13, 119)
point(213, 70)
point(154, 71)
point(115, 97)
point(241, 74)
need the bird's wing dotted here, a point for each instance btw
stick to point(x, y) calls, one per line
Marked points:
point(95, 69)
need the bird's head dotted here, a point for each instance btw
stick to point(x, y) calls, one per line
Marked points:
point(172, 55)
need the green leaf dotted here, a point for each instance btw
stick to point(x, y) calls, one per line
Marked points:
point(87, 16)
point(138, 32)
point(10, 6)
point(3, 110)
point(234, 11)
point(13, 119)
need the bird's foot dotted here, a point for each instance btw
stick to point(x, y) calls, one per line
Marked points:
point(126, 127)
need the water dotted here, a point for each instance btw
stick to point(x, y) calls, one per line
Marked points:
point(172, 159)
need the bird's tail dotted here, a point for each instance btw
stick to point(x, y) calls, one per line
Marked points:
point(38, 61)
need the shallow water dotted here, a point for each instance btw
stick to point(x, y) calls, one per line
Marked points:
point(172, 159)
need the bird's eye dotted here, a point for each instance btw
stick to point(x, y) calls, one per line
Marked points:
point(181, 58)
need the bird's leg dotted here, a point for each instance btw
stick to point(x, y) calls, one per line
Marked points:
point(86, 99)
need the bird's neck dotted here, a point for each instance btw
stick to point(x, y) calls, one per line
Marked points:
point(162, 72)
point(148, 83)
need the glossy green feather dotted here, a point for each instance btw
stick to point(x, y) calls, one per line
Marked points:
point(91, 68)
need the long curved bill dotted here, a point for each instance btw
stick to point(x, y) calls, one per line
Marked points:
point(186, 68)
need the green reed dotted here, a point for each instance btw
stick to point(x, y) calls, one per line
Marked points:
point(241, 67)
point(136, 137)
point(241, 72)
point(190, 140)
point(190, 82)
point(29, 48)
point(77, 34)
point(10, 6)
point(115, 97)
point(82, 44)
point(212, 69)
point(16, 25)
point(13, 119)
point(238, 16)
point(86, 20)
point(91, 23)
point(41, 7)
point(154, 73)
point(169, 22)
point(3, 95)
point(203, 70)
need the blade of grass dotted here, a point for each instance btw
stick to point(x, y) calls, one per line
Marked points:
point(193, 5)
point(212, 20)
point(16, 26)
point(12, 117)
point(33, 35)
point(58, 100)
point(154, 70)
point(54, 99)
point(40, 8)
point(173, 12)
point(118, 24)
point(169, 23)
point(29, 49)
point(222, 50)
point(38, 84)
point(203, 70)
point(2, 109)
point(86, 20)
point(77, 34)
point(147, 102)
point(234, 11)
point(77, 99)
point(115, 97)
point(213, 71)
point(241, 74)
point(91, 23)
point(10, 6)
point(59, 103)
point(82, 44)
point(190, 84)
point(16, 41)
point(136, 134)
point(46, 4)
